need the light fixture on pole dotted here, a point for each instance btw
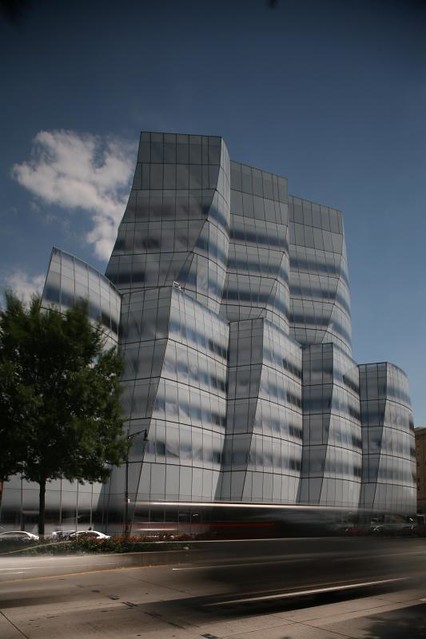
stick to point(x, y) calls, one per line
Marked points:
point(126, 487)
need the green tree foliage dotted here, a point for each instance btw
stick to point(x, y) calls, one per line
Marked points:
point(60, 414)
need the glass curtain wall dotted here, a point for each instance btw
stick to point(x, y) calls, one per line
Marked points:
point(69, 280)
point(229, 300)
point(389, 468)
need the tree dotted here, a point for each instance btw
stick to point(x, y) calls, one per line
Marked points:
point(60, 412)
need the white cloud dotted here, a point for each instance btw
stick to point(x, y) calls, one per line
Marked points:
point(24, 285)
point(83, 172)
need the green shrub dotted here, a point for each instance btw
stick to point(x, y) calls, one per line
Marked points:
point(118, 544)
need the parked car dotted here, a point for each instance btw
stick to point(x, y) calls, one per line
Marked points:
point(88, 534)
point(392, 525)
point(18, 535)
point(62, 535)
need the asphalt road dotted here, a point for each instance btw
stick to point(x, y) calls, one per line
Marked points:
point(168, 602)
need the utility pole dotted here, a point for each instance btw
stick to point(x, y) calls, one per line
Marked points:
point(130, 438)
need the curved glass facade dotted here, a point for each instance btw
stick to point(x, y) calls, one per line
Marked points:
point(332, 435)
point(70, 280)
point(237, 335)
point(69, 504)
point(229, 299)
point(389, 469)
point(319, 287)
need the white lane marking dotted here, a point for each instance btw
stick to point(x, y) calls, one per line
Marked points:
point(301, 593)
point(22, 568)
point(258, 561)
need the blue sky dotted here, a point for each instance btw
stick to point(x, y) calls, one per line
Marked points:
point(329, 93)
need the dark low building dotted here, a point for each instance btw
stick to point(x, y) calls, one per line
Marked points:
point(420, 435)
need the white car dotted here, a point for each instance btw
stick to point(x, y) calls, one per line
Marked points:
point(20, 535)
point(88, 534)
point(62, 535)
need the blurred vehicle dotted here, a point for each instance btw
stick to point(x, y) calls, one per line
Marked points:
point(256, 552)
point(227, 520)
point(18, 535)
point(87, 534)
point(390, 524)
point(62, 535)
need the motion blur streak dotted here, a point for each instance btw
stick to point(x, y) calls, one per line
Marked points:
point(271, 568)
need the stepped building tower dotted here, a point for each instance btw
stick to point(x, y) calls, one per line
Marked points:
point(229, 299)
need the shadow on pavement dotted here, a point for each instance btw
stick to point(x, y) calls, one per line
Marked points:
point(405, 623)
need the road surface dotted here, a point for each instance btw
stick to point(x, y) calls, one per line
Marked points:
point(41, 600)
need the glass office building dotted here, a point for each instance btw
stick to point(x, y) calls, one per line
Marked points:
point(229, 299)
point(236, 334)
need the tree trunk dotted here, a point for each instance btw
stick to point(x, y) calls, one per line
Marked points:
point(41, 507)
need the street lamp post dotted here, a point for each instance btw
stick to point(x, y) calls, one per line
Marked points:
point(126, 486)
